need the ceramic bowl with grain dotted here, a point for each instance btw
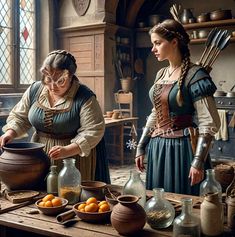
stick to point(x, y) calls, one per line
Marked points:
point(52, 211)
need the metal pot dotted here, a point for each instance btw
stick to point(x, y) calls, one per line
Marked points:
point(220, 15)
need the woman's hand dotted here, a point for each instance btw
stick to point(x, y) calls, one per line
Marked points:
point(7, 137)
point(139, 162)
point(196, 175)
point(60, 152)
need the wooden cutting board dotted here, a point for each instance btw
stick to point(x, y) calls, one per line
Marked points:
point(20, 196)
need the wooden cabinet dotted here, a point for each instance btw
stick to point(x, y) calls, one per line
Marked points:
point(225, 149)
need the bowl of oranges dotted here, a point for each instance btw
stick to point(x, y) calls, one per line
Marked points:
point(51, 205)
point(93, 210)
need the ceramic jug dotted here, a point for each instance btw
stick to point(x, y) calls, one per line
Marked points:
point(212, 215)
point(128, 216)
point(186, 15)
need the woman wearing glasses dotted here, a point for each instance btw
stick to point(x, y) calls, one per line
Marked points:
point(66, 116)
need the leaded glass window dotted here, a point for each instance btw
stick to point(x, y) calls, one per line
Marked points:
point(17, 43)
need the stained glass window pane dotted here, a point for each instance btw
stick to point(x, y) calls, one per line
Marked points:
point(5, 42)
point(27, 41)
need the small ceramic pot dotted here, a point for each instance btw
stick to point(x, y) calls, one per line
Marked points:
point(92, 189)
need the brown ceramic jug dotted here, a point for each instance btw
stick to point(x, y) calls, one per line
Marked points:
point(23, 165)
point(128, 216)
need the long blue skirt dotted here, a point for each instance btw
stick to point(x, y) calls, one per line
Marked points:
point(169, 162)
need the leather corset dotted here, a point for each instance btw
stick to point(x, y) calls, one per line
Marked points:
point(168, 126)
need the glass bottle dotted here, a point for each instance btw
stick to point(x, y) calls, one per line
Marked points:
point(210, 184)
point(160, 212)
point(69, 181)
point(52, 181)
point(186, 224)
point(135, 186)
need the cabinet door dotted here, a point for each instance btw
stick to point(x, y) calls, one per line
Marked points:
point(225, 149)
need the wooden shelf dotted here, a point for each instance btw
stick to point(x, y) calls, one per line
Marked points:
point(199, 41)
point(209, 24)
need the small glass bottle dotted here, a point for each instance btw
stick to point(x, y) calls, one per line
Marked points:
point(135, 186)
point(186, 224)
point(210, 184)
point(160, 212)
point(52, 181)
point(69, 181)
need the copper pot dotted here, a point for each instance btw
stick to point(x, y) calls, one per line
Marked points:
point(23, 165)
point(220, 15)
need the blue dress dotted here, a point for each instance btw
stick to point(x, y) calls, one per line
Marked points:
point(169, 158)
point(58, 127)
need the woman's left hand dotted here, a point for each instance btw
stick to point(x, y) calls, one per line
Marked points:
point(57, 152)
point(196, 175)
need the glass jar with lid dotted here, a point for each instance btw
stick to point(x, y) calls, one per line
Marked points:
point(160, 212)
point(69, 181)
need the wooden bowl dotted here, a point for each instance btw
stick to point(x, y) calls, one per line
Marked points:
point(52, 211)
point(92, 216)
point(220, 15)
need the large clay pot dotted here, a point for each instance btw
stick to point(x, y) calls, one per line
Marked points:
point(23, 165)
point(128, 216)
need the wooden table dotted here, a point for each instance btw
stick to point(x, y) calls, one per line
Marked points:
point(19, 223)
point(119, 125)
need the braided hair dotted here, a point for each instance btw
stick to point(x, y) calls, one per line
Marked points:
point(170, 29)
point(60, 59)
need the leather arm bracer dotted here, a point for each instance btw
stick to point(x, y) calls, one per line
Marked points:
point(202, 150)
point(143, 142)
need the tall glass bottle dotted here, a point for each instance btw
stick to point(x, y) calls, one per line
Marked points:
point(69, 181)
point(186, 224)
point(210, 184)
point(52, 181)
point(135, 186)
point(160, 212)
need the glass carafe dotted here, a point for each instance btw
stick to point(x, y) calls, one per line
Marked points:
point(52, 181)
point(210, 184)
point(186, 224)
point(160, 212)
point(69, 181)
point(135, 186)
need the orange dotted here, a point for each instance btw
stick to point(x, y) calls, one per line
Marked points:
point(48, 204)
point(91, 200)
point(48, 197)
point(103, 208)
point(93, 207)
point(41, 204)
point(102, 202)
point(81, 206)
point(56, 202)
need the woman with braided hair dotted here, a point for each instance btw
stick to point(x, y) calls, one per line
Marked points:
point(66, 116)
point(177, 151)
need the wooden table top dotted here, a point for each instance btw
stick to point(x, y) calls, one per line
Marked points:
point(48, 226)
point(112, 122)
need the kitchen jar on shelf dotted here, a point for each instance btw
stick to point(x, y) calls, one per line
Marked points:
point(69, 181)
point(160, 212)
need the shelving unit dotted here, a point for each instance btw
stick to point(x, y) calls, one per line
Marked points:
point(142, 32)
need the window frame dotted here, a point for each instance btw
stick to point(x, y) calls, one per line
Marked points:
point(16, 87)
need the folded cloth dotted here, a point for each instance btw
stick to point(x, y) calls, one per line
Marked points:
point(232, 121)
point(223, 131)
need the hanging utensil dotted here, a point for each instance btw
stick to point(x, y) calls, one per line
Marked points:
point(211, 35)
